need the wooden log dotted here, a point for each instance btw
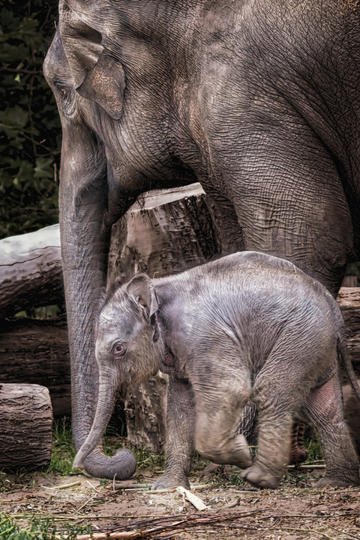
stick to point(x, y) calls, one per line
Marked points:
point(36, 352)
point(145, 408)
point(25, 427)
point(30, 271)
point(349, 301)
point(167, 231)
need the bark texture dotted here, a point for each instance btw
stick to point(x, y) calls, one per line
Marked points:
point(36, 352)
point(30, 271)
point(25, 427)
point(349, 301)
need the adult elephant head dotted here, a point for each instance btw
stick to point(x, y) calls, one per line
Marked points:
point(259, 101)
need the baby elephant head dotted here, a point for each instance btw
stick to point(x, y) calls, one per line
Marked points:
point(124, 349)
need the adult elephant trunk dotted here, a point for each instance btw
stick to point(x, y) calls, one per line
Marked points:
point(85, 245)
point(105, 407)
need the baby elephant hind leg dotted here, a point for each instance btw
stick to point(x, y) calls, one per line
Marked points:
point(277, 399)
point(324, 410)
point(272, 457)
point(217, 417)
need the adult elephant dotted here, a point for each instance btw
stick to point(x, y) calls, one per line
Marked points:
point(258, 100)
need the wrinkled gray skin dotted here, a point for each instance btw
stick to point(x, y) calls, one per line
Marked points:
point(259, 101)
point(246, 328)
point(352, 414)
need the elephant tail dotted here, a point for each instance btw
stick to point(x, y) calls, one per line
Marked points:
point(347, 365)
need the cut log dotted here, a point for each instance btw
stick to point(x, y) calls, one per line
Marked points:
point(30, 271)
point(167, 231)
point(25, 427)
point(36, 351)
point(145, 408)
point(349, 301)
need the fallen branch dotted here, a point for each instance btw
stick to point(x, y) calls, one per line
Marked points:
point(193, 499)
point(64, 486)
point(188, 522)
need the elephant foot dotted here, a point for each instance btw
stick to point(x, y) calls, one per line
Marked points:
point(171, 481)
point(260, 477)
point(233, 452)
point(332, 481)
point(214, 468)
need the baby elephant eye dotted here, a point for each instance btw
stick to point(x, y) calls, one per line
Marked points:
point(119, 349)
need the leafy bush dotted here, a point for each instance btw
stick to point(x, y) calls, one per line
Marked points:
point(29, 123)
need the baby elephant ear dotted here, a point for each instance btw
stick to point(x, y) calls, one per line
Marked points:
point(140, 289)
point(96, 76)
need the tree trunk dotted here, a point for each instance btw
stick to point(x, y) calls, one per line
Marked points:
point(30, 271)
point(36, 352)
point(25, 427)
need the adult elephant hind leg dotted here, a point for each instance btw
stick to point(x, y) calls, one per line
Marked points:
point(290, 202)
point(229, 232)
point(324, 410)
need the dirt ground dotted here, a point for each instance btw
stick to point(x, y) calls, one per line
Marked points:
point(234, 510)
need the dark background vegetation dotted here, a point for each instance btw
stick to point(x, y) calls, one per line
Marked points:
point(30, 131)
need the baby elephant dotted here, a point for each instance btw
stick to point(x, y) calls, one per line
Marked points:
point(245, 329)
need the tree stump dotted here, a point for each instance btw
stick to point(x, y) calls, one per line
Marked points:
point(25, 427)
point(349, 301)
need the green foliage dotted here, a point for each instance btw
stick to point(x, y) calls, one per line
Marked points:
point(63, 451)
point(39, 529)
point(314, 450)
point(29, 123)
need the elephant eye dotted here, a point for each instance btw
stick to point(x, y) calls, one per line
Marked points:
point(119, 349)
point(67, 98)
point(64, 92)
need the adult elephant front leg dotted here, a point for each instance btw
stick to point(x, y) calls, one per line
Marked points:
point(85, 244)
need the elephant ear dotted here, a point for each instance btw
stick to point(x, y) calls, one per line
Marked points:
point(97, 76)
point(141, 291)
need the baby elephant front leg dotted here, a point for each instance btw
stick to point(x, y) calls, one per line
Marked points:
point(179, 445)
